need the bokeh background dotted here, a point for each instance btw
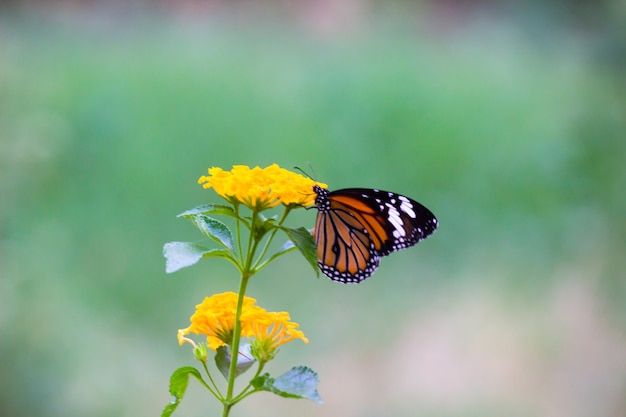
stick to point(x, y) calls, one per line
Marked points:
point(507, 119)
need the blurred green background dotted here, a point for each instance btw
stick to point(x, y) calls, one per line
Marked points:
point(507, 121)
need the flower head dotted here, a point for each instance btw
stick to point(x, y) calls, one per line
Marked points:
point(261, 188)
point(215, 318)
point(272, 330)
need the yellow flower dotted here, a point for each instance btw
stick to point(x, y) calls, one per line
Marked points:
point(215, 318)
point(272, 330)
point(261, 188)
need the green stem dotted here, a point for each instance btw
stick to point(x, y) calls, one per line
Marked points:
point(215, 391)
point(246, 272)
point(252, 243)
point(234, 351)
point(269, 240)
point(243, 394)
point(234, 348)
point(238, 228)
point(206, 386)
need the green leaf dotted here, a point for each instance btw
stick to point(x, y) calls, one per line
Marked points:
point(299, 382)
point(180, 255)
point(210, 209)
point(213, 228)
point(303, 240)
point(244, 360)
point(263, 382)
point(178, 385)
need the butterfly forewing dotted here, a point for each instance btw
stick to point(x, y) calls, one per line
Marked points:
point(399, 222)
point(363, 216)
point(356, 226)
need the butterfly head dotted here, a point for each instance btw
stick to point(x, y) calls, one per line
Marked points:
point(322, 202)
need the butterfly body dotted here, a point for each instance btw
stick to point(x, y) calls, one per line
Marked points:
point(355, 227)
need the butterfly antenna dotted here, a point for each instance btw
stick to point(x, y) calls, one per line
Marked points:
point(312, 170)
point(306, 174)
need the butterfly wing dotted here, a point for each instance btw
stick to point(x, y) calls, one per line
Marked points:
point(345, 250)
point(356, 226)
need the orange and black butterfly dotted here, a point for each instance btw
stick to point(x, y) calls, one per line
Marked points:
point(356, 226)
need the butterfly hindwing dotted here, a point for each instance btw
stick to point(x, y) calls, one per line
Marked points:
point(344, 249)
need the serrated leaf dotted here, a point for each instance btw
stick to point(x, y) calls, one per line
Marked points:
point(178, 385)
point(298, 382)
point(180, 255)
point(244, 360)
point(303, 240)
point(213, 228)
point(210, 209)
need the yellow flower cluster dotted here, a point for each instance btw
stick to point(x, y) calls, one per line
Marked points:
point(271, 331)
point(261, 188)
point(215, 318)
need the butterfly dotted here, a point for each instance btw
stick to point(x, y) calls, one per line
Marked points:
point(355, 227)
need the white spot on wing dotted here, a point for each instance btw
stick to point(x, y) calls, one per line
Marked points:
point(395, 219)
point(407, 207)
